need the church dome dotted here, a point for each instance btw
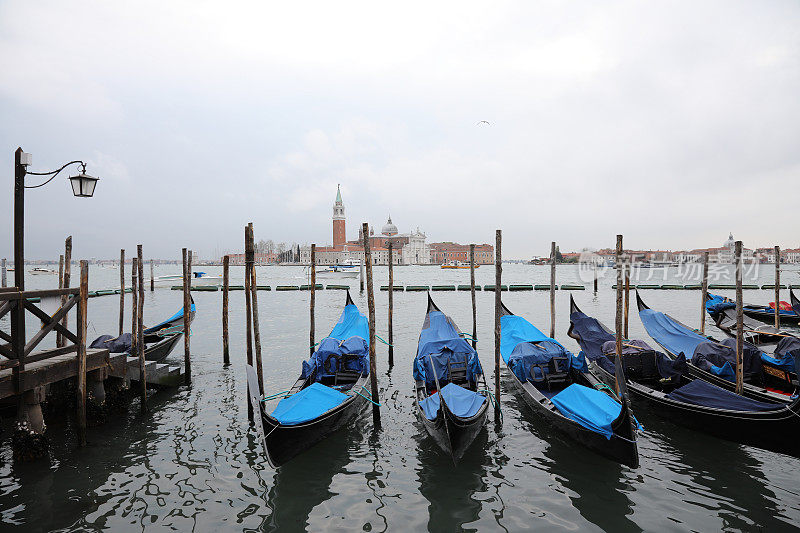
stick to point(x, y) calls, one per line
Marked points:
point(389, 229)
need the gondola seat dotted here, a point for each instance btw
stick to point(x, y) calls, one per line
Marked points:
point(558, 372)
point(457, 372)
point(641, 366)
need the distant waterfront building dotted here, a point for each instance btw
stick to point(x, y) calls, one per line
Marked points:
point(407, 248)
point(447, 252)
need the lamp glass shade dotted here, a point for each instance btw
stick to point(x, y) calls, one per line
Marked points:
point(83, 185)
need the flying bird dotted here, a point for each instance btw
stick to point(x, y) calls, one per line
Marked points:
point(484, 122)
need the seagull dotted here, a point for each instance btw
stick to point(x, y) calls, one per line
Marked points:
point(484, 122)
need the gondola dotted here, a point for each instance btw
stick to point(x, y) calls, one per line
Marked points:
point(329, 394)
point(556, 384)
point(665, 387)
point(794, 301)
point(159, 340)
point(765, 313)
point(708, 359)
point(452, 398)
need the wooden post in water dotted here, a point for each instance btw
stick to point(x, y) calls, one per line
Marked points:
point(67, 270)
point(121, 290)
point(152, 277)
point(134, 306)
point(251, 250)
point(552, 290)
point(248, 312)
point(391, 305)
point(187, 310)
point(594, 263)
point(626, 264)
point(312, 300)
point(498, 309)
point(361, 275)
point(704, 295)
point(140, 328)
point(777, 287)
point(472, 294)
point(60, 341)
point(618, 324)
point(226, 261)
point(373, 373)
point(83, 298)
point(4, 281)
point(739, 318)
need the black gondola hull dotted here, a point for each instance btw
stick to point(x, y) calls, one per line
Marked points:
point(453, 434)
point(284, 442)
point(777, 431)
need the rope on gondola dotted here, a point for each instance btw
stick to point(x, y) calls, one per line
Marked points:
point(368, 392)
point(383, 341)
point(273, 396)
point(493, 401)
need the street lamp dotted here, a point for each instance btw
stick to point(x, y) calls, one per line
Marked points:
point(82, 186)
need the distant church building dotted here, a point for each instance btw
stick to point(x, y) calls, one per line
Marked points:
point(407, 248)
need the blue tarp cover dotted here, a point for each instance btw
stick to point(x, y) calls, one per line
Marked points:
point(668, 333)
point(714, 357)
point(346, 345)
point(439, 341)
point(352, 323)
point(515, 330)
point(716, 304)
point(787, 354)
point(166, 322)
point(460, 401)
point(307, 404)
point(590, 408)
point(121, 344)
point(699, 392)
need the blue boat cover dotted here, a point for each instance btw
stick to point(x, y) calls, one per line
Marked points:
point(440, 342)
point(699, 392)
point(600, 346)
point(352, 323)
point(166, 323)
point(769, 310)
point(307, 404)
point(590, 408)
point(523, 345)
point(787, 355)
point(121, 344)
point(717, 304)
point(462, 402)
point(346, 348)
point(714, 357)
point(671, 335)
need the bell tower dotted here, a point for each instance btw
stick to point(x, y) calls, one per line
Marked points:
point(339, 238)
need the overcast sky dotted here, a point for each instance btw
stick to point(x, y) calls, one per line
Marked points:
point(673, 123)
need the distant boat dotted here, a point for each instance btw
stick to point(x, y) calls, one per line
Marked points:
point(198, 279)
point(38, 271)
point(458, 264)
point(338, 271)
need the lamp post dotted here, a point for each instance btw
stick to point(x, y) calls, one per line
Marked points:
point(82, 186)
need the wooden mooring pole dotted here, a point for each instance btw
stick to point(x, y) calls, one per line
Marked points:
point(256, 324)
point(594, 264)
point(472, 294)
point(152, 277)
point(552, 290)
point(498, 307)
point(4, 281)
point(67, 280)
point(391, 306)
point(134, 306)
point(248, 311)
point(226, 356)
point(626, 265)
point(739, 317)
point(83, 298)
point(187, 310)
point(618, 323)
point(121, 290)
point(60, 342)
point(373, 373)
point(704, 294)
point(312, 296)
point(777, 287)
point(140, 328)
point(361, 276)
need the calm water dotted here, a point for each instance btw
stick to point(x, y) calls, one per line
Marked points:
point(194, 462)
